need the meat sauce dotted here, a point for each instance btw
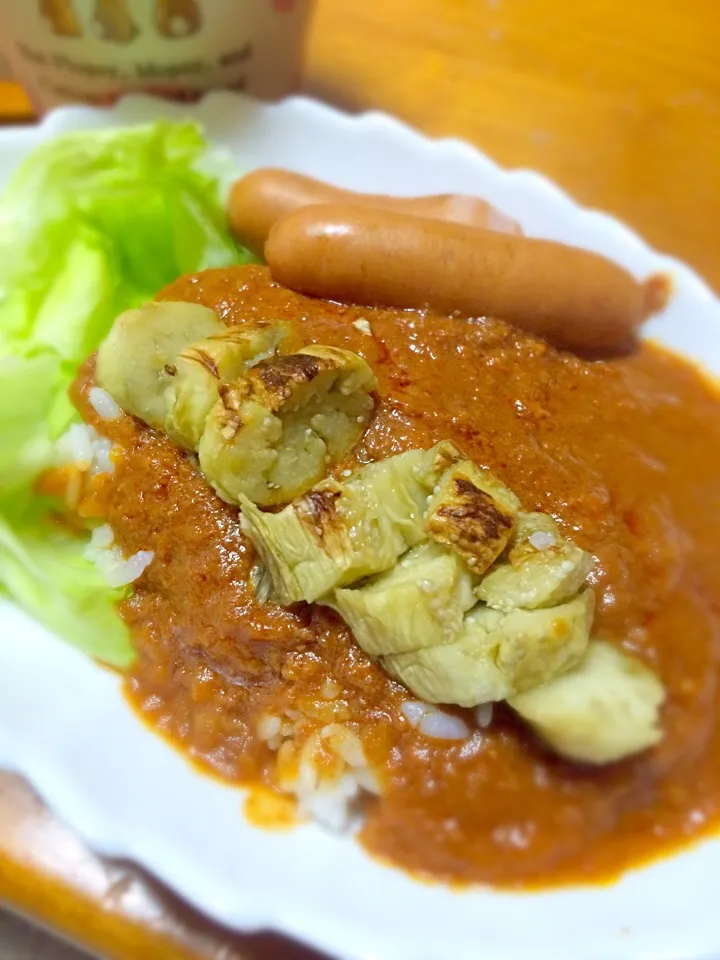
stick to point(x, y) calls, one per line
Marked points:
point(625, 454)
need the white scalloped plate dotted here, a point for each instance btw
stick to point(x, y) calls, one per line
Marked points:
point(65, 725)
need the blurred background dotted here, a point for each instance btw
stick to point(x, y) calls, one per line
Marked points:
point(616, 101)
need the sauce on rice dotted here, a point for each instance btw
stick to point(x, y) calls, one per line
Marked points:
point(625, 454)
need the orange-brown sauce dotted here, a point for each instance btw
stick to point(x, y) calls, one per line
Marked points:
point(626, 454)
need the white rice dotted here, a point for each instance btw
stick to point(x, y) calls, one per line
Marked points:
point(102, 462)
point(101, 538)
point(269, 727)
point(330, 690)
point(443, 726)
point(103, 404)
point(117, 570)
point(333, 806)
point(345, 743)
point(542, 539)
point(75, 446)
point(414, 711)
point(83, 447)
point(483, 715)
point(433, 722)
point(363, 326)
point(329, 794)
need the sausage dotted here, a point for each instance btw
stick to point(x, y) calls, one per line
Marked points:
point(575, 299)
point(258, 200)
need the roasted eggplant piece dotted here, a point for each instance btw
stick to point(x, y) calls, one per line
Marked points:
point(473, 514)
point(464, 672)
point(135, 362)
point(604, 709)
point(537, 645)
point(200, 368)
point(419, 603)
point(275, 433)
point(339, 533)
point(542, 568)
point(498, 655)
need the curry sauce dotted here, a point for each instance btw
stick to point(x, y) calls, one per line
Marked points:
point(625, 454)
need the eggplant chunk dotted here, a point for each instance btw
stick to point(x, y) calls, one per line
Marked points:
point(464, 672)
point(275, 433)
point(498, 655)
point(604, 709)
point(201, 367)
point(419, 603)
point(135, 362)
point(542, 568)
point(537, 645)
point(339, 533)
point(473, 514)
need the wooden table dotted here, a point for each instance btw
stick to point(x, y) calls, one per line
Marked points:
point(619, 102)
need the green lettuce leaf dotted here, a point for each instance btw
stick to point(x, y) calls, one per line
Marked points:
point(44, 570)
point(92, 223)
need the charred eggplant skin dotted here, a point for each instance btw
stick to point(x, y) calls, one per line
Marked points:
point(472, 514)
point(541, 568)
point(265, 425)
point(340, 532)
point(275, 433)
point(201, 369)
